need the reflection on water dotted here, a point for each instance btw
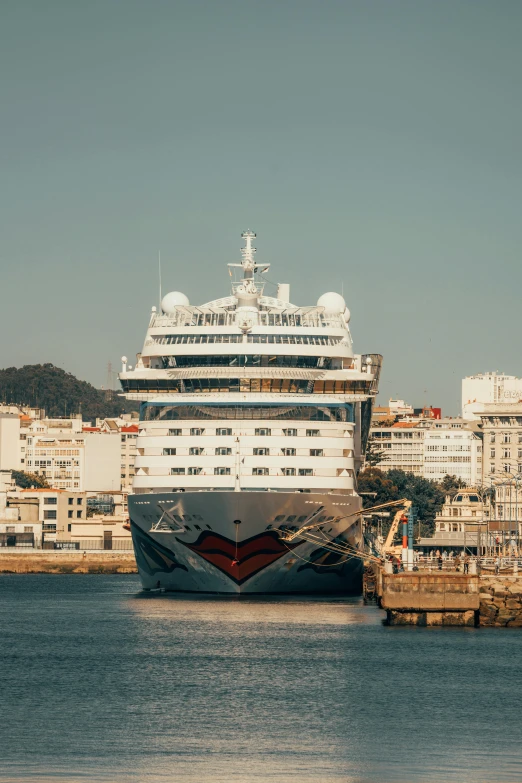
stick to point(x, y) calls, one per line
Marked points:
point(104, 683)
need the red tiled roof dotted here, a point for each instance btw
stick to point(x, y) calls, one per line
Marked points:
point(404, 425)
point(90, 429)
point(132, 428)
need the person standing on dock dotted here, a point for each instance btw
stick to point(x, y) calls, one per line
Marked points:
point(457, 563)
point(466, 563)
point(439, 561)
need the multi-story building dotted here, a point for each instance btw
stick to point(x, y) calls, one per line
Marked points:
point(10, 440)
point(431, 448)
point(460, 524)
point(57, 510)
point(502, 430)
point(487, 388)
point(128, 433)
point(70, 458)
point(403, 446)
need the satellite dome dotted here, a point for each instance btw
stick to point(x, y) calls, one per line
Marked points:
point(173, 300)
point(332, 302)
point(347, 315)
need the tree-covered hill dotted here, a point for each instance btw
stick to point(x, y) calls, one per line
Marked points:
point(59, 392)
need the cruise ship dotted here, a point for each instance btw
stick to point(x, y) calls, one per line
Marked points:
point(255, 414)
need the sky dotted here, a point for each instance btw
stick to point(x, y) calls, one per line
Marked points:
point(373, 145)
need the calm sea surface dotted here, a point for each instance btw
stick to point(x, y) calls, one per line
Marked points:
point(100, 682)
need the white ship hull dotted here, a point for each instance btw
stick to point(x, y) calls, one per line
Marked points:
point(226, 542)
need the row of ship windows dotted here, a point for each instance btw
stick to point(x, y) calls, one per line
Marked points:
point(290, 431)
point(197, 451)
point(310, 320)
point(168, 412)
point(275, 339)
point(252, 360)
point(196, 471)
point(244, 385)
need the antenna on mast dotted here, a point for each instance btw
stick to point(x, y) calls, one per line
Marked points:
point(159, 271)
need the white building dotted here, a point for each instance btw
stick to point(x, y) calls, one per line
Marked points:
point(10, 441)
point(486, 388)
point(432, 449)
point(71, 459)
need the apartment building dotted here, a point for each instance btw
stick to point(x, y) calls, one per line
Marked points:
point(431, 448)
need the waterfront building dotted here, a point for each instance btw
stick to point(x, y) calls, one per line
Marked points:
point(431, 448)
point(502, 432)
point(57, 510)
point(19, 522)
point(458, 522)
point(70, 458)
point(10, 440)
point(488, 388)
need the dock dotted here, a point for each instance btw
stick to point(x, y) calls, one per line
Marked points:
point(433, 598)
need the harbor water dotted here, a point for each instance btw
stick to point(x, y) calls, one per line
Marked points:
point(103, 683)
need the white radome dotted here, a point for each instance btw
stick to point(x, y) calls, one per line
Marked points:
point(173, 300)
point(332, 302)
point(347, 315)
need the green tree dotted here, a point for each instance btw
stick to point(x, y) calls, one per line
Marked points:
point(28, 480)
point(58, 392)
point(450, 484)
point(374, 456)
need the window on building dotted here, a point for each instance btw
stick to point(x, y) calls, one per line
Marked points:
point(492, 468)
point(312, 433)
point(79, 501)
point(70, 501)
point(194, 471)
point(316, 452)
point(506, 453)
point(261, 452)
point(195, 451)
point(223, 431)
point(174, 432)
point(197, 431)
point(221, 471)
point(262, 431)
point(50, 501)
point(69, 527)
point(169, 452)
point(78, 514)
point(506, 438)
point(123, 475)
point(223, 451)
point(10, 529)
point(123, 438)
point(49, 514)
point(177, 471)
point(492, 437)
point(288, 452)
point(305, 472)
point(288, 471)
point(492, 453)
point(290, 432)
point(260, 471)
point(70, 514)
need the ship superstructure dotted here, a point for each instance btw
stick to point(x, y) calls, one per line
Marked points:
point(255, 414)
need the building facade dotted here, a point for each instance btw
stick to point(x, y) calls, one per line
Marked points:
point(488, 388)
point(431, 449)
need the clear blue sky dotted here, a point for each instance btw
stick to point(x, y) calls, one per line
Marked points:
point(374, 144)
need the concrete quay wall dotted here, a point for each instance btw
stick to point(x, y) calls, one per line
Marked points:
point(63, 562)
point(427, 598)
